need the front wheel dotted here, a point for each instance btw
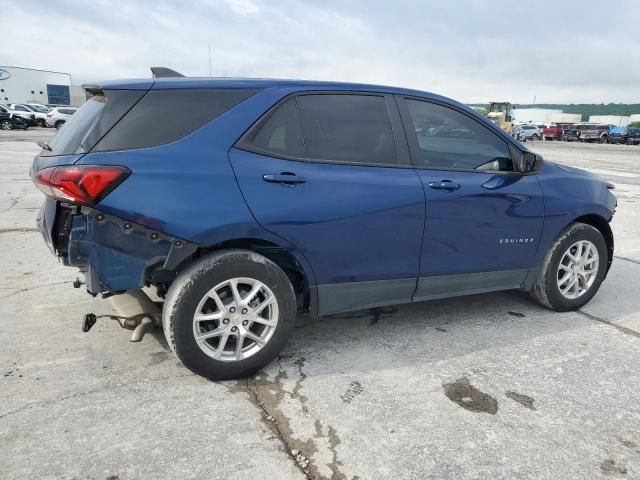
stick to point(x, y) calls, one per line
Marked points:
point(229, 314)
point(6, 124)
point(572, 270)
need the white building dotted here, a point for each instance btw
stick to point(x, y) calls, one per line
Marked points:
point(565, 118)
point(534, 115)
point(21, 85)
point(618, 120)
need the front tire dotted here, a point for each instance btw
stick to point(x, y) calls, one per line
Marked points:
point(6, 125)
point(229, 314)
point(573, 269)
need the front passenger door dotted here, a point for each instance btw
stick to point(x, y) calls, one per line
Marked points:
point(483, 219)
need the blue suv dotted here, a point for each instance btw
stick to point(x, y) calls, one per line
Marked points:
point(243, 202)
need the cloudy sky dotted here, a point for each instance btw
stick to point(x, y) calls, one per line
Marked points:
point(472, 50)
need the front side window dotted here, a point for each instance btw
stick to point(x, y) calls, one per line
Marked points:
point(448, 139)
point(347, 128)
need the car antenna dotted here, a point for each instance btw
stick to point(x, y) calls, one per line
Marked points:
point(162, 72)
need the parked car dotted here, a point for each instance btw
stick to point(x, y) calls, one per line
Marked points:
point(57, 116)
point(555, 131)
point(594, 133)
point(28, 116)
point(618, 135)
point(40, 117)
point(9, 121)
point(573, 133)
point(528, 132)
point(256, 199)
point(633, 136)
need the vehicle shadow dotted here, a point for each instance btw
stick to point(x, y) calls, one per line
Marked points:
point(432, 331)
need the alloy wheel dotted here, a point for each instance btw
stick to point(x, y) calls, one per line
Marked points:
point(235, 319)
point(6, 125)
point(578, 269)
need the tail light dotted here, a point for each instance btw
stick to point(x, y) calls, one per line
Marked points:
point(49, 114)
point(79, 184)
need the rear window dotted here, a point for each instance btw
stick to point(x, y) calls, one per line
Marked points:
point(89, 123)
point(164, 116)
point(280, 134)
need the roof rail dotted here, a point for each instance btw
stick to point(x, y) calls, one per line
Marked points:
point(160, 72)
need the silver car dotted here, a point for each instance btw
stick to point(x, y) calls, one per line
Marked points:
point(57, 116)
point(528, 132)
point(40, 115)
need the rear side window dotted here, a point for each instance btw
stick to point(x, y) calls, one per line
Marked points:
point(164, 116)
point(89, 123)
point(280, 134)
point(347, 128)
point(448, 139)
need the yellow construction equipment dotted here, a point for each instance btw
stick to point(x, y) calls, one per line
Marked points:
point(500, 114)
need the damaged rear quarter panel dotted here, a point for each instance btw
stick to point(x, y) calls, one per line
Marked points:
point(186, 189)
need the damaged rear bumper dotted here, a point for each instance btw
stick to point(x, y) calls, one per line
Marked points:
point(114, 254)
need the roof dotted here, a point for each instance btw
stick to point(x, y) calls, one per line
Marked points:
point(252, 83)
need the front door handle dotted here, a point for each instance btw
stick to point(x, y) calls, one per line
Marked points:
point(284, 178)
point(444, 185)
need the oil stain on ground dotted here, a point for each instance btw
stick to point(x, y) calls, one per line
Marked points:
point(610, 467)
point(521, 399)
point(469, 397)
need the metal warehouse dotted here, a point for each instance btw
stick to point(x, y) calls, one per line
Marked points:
point(22, 85)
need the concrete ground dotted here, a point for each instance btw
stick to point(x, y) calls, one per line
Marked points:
point(482, 387)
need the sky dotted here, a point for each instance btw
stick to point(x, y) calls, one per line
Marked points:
point(580, 51)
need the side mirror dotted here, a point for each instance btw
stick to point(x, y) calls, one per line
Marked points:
point(526, 162)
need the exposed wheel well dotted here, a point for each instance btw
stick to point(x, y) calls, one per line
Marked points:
point(603, 226)
point(276, 254)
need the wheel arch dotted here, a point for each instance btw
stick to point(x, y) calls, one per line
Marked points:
point(602, 225)
point(291, 262)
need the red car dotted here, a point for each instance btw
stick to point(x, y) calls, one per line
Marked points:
point(555, 132)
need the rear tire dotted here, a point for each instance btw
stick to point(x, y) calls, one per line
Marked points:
point(40, 123)
point(59, 123)
point(208, 289)
point(551, 281)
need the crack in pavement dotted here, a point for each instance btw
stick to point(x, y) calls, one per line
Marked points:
point(316, 457)
point(620, 328)
point(22, 290)
point(100, 389)
point(17, 230)
point(627, 259)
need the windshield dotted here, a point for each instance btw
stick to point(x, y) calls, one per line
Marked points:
point(39, 108)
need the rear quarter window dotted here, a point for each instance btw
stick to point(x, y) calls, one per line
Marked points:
point(164, 116)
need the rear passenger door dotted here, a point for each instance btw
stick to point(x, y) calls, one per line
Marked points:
point(483, 219)
point(330, 173)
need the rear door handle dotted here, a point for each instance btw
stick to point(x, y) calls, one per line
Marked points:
point(444, 185)
point(285, 178)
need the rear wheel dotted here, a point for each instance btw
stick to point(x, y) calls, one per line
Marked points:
point(40, 122)
point(229, 314)
point(572, 270)
point(59, 123)
point(604, 139)
point(6, 124)
point(536, 137)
